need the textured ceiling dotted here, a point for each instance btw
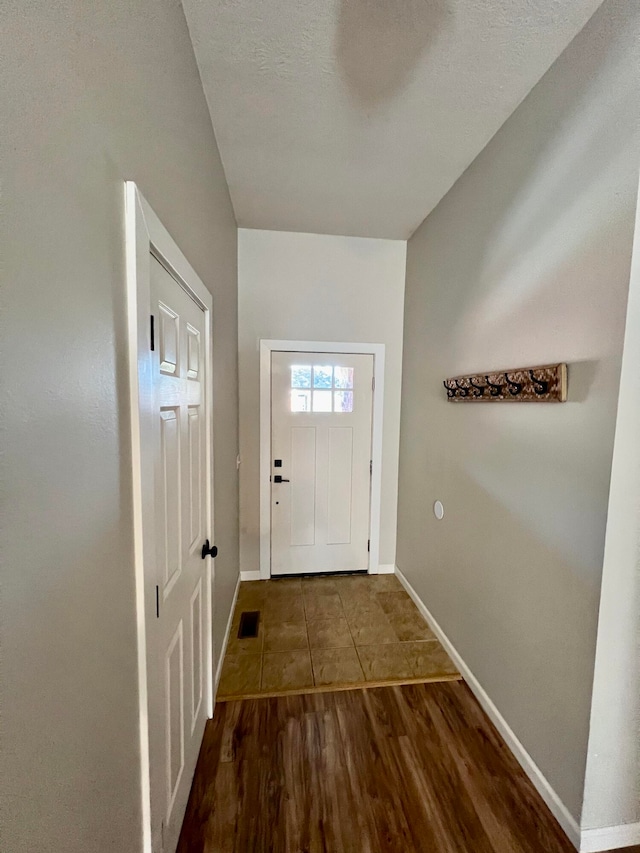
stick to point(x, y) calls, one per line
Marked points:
point(356, 116)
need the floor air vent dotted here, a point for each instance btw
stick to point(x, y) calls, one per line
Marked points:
point(249, 620)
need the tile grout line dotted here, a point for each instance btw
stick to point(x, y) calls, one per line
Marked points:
point(353, 639)
point(306, 627)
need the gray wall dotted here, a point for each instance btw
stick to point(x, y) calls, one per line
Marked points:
point(526, 261)
point(92, 93)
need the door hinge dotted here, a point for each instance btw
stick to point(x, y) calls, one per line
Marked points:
point(153, 335)
point(371, 467)
point(373, 383)
point(368, 544)
point(157, 602)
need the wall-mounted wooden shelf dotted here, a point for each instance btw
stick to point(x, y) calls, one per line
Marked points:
point(543, 384)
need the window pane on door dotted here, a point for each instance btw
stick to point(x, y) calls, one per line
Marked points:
point(343, 401)
point(343, 377)
point(301, 376)
point(323, 378)
point(331, 388)
point(322, 401)
point(300, 400)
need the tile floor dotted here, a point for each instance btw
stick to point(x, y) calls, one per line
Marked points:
point(330, 633)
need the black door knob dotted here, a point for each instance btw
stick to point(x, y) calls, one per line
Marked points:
point(209, 551)
point(278, 479)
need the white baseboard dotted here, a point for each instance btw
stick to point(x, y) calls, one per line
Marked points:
point(609, 837)
point(553, 801)
point(386, 569)
point(250, 575)
point(225, 642)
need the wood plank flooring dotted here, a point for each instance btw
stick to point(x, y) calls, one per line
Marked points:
point(404, 769)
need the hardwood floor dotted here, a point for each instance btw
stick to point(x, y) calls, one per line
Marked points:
point(403, 769)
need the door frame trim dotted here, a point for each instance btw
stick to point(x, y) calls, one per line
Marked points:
point(378, 353)
point(146, 235)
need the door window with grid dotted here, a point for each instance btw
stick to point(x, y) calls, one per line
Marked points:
point(321, 388)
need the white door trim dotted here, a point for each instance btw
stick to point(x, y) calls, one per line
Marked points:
point(145, 235)
point(266, 348)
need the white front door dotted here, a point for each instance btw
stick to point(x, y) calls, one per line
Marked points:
point(321, 412)
point(176, 637)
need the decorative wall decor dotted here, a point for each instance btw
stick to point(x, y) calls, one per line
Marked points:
point(546, 384)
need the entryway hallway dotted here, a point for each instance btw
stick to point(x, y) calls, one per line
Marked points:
point(248, 248)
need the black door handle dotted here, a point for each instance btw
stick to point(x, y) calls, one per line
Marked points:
point(279, 479)
point(209, 550)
